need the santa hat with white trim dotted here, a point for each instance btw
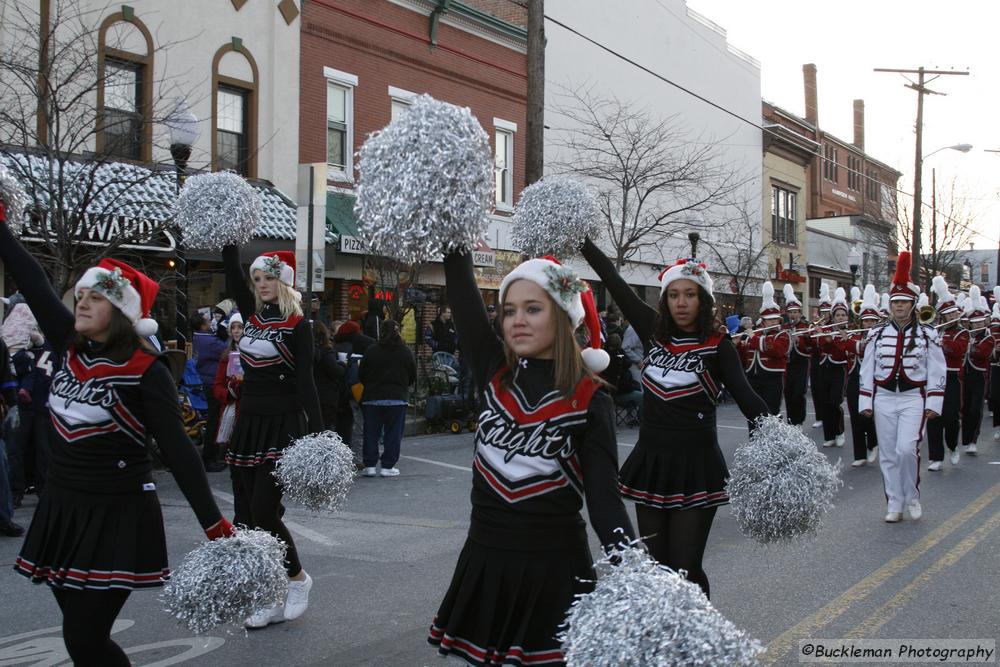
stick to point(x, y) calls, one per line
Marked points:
point(791, 301)
point(128, 289)
point(768, 306)
point(277, 263)
point(824, 304)
point(869, 304)
point(840, 302)
point(572, 294)
point(945, 300)
point(687, 269)
point(902, 289)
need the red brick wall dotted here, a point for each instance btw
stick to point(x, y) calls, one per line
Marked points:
point(506, 10)
point(386, 45)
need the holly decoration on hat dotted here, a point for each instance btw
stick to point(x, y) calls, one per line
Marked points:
point(112, 284)
point(564, 283)
point(272, 266)
point(693, 268)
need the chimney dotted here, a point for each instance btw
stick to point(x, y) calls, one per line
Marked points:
point(859, 124)
point(809, 78)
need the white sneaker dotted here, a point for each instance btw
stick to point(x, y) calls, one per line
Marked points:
point(829, 443)
point(390, 472)
point(935, 466)
point(971, 449)
point(996, 434)
point(369, 472)
point(916, 511)
point(297, 600)
point(857, 463)
point(955, 456)
point(266, 616)
point(839, 441)
point(893, 517)
point(818, 424)
point(873, 455)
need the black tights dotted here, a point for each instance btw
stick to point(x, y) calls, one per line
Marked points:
point(87, 620)
point(676, 538)
point(263, 497)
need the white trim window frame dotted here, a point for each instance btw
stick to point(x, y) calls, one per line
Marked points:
point(503, 156)
point(340, 124)
point(399, 100)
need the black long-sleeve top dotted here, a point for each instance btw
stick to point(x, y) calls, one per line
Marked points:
point(103, 410)
point(537, 454)
point(276, 353)
point(683, 377)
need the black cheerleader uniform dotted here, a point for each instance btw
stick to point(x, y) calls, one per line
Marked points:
point(98, 525)
point(677, 463)
point(278, 402)
point(538, 455)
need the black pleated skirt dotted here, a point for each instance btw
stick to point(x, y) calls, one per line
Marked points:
point(260, 438)
point(682, 470)
point(95, 541)
point(505, 607)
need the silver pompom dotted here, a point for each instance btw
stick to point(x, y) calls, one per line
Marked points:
point(14, 198)
point(642, 613)
point(317, 470)
point(216, 210)
point(553, 217)
point(780, 485)
point(227, 580)
point(425, 183)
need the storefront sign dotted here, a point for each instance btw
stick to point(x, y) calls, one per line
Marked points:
point(352, 245)
point(100, 230)
point(484, 258)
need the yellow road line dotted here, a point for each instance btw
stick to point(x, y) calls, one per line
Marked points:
point(888, 611)
point(859, 591)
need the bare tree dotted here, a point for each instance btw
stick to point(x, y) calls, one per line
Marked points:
point(743, 255)
point(651, 175)
point(85, 200)
point(391, 279)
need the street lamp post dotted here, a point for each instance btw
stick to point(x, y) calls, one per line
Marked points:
point(183, 126)
point(854, 261)
point(918, 193)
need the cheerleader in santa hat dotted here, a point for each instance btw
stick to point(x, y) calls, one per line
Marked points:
point(995, 364)
point(862, 428)
point(816, 386)
point(977, 363)
point(278, 403)
point(799, 355)
point(903, 379)
point(545, 442)
point(676, 473)
point(765, 352)
point(97, 533)
point(955, 344)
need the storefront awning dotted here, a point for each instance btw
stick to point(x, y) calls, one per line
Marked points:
point(340, 218)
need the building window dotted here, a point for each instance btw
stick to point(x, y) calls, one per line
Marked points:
point(122, 115)
point(814, 284)
point(503, 163)
point(853, 173)
point(338, 155)
point(783, 214)
point(231, 141)
point(830, 163)
point(873, 187)
point(984, 272)
point(399, 101)
point(398, 108)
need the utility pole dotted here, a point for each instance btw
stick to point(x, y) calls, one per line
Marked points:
point(934, 247)
point(919, 158)
point(534, 153)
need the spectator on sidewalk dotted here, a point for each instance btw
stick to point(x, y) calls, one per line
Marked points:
point(329, 374)
point(387, 371)
point(441, 335)
point(351, 344)
point(7, 403)
point(226, 390)
point(28, 447)
point(632, 347)
point(624, 391)
point(208, 348)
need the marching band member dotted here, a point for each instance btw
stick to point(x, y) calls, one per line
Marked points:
point(977, 362)
point(884, 307)
point(797, 371)
point(862, 428)
point(815, 386)
point(902, 384)
point(944, 429)
point(995, 365)
point(832, 373)
point(765, 352)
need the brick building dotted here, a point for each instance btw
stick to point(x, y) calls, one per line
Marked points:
point(362, 62)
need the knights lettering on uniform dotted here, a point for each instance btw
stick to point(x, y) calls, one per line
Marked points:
point(689, 361)
point(91, 391)
point(533, 440)
point(270, 334)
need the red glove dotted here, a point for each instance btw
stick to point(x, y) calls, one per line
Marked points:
point(221, 528)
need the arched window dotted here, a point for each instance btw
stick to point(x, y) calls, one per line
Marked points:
point(234, 104)
point(125, 88)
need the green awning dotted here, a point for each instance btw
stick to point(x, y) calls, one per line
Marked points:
point(340, 217)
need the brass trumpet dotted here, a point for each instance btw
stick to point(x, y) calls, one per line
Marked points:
point(856, 307)
point(926, 315)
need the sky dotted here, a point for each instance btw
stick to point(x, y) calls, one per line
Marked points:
point(847, 39)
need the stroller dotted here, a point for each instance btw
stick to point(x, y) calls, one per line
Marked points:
point(190, 396)
point(448, 409)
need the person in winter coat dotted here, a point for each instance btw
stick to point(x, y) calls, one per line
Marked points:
point(208, 348)
point(387, 371)
point(441, 336)
point(329, 375)
point(352, 344)
point(29, 446)
point(227, 390)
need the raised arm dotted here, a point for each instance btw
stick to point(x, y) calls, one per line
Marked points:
point(751, 405)
point(480, 346)
point(236, 281)
point(640, 314)
point(54, 319)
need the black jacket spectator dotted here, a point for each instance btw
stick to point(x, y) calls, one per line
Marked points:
point(329, 375)
point(443, 336)
point(388, 369)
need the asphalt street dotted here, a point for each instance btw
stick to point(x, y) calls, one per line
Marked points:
point(381, 566)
